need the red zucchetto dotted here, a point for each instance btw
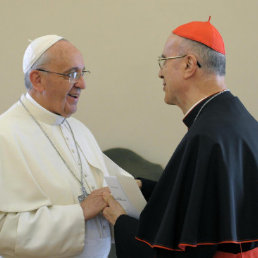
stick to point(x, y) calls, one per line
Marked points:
point(203, 32)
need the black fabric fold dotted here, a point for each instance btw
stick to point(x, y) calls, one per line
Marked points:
point(208, 192)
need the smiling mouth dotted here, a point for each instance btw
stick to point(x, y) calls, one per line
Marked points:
point(73, 96)
point(164, 86)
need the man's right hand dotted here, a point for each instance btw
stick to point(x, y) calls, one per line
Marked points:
point(94, 203)
point(113, 209)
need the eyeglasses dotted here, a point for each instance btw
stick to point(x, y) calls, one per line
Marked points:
point(72, 76)
point(162, 60)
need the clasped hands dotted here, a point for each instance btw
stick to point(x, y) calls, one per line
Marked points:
point(101, 201)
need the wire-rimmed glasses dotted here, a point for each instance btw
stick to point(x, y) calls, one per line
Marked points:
point(72, 76)
point(162, 60)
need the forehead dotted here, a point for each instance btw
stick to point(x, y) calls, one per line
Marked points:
point(172, 45)
point(65, 55)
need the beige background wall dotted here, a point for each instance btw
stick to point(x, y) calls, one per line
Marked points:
point(120, 40)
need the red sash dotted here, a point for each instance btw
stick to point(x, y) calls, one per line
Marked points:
point(249, 254)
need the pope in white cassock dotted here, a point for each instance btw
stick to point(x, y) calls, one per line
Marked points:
point(51, 169)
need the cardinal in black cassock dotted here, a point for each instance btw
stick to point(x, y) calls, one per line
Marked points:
point(206, 201)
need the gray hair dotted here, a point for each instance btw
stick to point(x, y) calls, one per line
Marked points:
point(211, 61)
point(43, 59)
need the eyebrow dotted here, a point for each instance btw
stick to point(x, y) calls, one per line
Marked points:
point(74, 69)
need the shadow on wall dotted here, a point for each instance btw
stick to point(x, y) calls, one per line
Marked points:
point(135, 165)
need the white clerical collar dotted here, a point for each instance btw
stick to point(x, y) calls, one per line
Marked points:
point(192, 107)
point(40, 113)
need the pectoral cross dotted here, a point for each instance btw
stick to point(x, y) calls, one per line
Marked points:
point(83, 195)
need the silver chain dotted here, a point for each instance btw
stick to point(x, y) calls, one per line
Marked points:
point(84, 193)
point(214, 96)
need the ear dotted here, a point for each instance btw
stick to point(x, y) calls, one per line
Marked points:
point(37, 79)
point(190, 66)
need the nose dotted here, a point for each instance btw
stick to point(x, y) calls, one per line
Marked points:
point(80, 83)
point(160, 74)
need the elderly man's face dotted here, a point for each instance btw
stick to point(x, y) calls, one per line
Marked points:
point(170, 73)
point(59, 95)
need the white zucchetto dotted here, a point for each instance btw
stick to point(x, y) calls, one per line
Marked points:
point(36, 48)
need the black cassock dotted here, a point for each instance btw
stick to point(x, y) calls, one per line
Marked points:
point(207, 197)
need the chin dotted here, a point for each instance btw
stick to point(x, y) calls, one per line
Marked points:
point(69, 112)
point(167, 101)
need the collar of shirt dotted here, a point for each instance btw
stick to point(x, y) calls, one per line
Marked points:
point(193, 111)
point(40, 113)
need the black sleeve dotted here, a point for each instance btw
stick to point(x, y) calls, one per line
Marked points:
point(126, 244)
point(147, 187)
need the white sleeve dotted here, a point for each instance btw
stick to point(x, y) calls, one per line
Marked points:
point(46, 232)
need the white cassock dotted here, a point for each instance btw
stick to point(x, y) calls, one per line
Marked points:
point(40, 215)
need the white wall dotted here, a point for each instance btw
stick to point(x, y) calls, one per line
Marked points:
point(120, 40)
